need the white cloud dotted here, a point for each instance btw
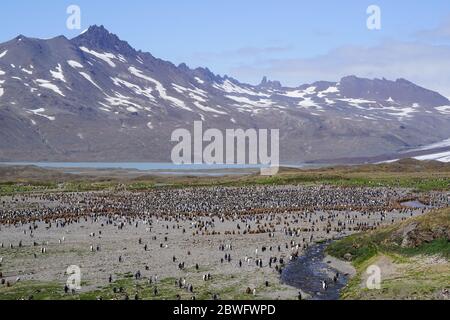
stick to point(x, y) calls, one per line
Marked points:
point(425, 64)
point(243, 52)
point(441, 32)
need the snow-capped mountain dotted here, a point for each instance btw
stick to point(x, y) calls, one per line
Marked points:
point(95, 98)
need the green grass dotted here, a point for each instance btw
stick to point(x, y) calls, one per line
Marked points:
point(10, 188)
point(227, 286)
point(417, 176)
point(32, 290)
point(416, 280)
point(140, 186)
point(363, 246)
point(437, 247)
point(87, 186)
point(417, 183)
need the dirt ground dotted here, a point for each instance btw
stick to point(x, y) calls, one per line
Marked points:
point(102, 246)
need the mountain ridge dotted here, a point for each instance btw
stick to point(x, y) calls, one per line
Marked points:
point(96, 98)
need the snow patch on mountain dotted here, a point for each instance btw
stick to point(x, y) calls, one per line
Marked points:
point(310, 90)
point(230, 87)
point(328, 101)
point(27, 71)
point(74, 64)
point(309, 103)
point(139, 59)
point(436, 145)
point(443, 109)
point(160, 88)
point(199, 80)
point(441, 157)
point(261, 103)
point(122, 58)
point(357, 102)
point(48, 85)
point(196, 91)
point(401, 113)
point(88, 78)
point(330, 90)
point(132, 109)
point(38, 112)
point(295, 94)
point(105, 107)
point(196, 94)
point(121, 100)
point(58, 74)
point(3, 54)
point(197, 98)
point(147, 92)
point(106, 57)
point(207, 109)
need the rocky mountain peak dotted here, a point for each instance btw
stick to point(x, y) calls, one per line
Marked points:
point(60, 102)
point(100, 38)
point(401, 91)
point(268, 84)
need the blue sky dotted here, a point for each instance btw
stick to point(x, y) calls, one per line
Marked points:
point(293, 41)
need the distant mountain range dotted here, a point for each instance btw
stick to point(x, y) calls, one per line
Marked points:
point(95, 98)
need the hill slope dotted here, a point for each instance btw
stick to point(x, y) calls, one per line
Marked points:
point(413, 257)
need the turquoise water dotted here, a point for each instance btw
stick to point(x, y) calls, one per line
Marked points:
point(164, 168)
point(142, 166)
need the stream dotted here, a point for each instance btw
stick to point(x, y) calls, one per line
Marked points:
point(309, 270)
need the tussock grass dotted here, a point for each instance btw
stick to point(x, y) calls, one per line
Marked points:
point(415, 278)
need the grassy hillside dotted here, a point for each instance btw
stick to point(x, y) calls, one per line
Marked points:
point(417, 175)
point(413, 257)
